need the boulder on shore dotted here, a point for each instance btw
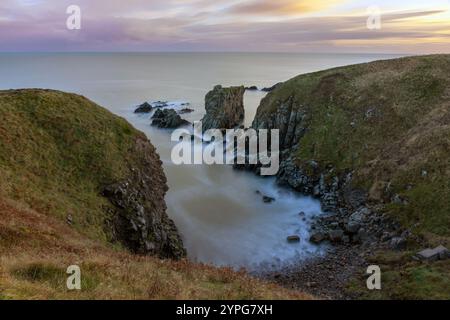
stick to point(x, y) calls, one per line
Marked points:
point(317, 238)
point(224, 108)
point(168, 118)
point(438, 253)
point(294, 238)
point(268, 199)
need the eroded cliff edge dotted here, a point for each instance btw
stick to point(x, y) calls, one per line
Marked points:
point(65, 156)
point(372, 142)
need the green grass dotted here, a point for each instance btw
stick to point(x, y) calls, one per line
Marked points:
point(403, 278)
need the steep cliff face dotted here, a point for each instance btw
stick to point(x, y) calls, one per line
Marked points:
point(65, 156)
point(374, 133)
point(139, 219)
point(224, 108)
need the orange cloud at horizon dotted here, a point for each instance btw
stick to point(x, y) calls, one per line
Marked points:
point(284, 7)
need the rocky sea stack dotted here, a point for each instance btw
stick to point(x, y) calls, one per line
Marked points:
point(224, 108)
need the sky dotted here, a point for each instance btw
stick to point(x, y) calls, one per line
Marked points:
point(338, 26)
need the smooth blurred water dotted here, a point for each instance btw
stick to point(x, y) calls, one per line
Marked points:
point(217, 210)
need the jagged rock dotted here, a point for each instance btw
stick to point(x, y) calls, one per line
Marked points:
point(318, 238)
point(224, 108)
point(185, 110)
point(144, 108)
point(168, 118)
point(252, 88)
point(438, 253)
point(398, 243)
point(268, 199)
point(294, 238)
point(138, 216)
point(336, 235)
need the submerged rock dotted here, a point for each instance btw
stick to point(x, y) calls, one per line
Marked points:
point(268, 199)
point(168, 118)
point(144, 108)
point(185, 110)
point(224, 108)
point(336, 235)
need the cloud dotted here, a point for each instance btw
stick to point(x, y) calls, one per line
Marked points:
point(220, 25)
point(283, 7)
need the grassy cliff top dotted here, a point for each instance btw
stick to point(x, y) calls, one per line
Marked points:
point(388, 122)
point(57, 150)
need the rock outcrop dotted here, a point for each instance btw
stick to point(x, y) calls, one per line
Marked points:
point(224, 108)
point(144, 108)
point(74, 153)
point(168, 119)
point(139, 219)
point(361, 152)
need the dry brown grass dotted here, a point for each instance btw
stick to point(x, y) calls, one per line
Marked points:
point(36, 249)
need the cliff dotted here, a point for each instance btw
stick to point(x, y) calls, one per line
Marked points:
point(372, 142)
point(80, 186)
point(63, 155)
point(224, 108)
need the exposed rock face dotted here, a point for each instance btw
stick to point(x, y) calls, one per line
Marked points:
point(90, 154)
point(358, 152)
point(224, 108)
point(139, 219)
point(168, 118)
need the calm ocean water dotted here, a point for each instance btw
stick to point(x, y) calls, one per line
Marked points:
point(222, 219)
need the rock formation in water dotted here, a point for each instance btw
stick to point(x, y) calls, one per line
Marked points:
point(168, 119)
point(144, 108)
point(224, 108)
